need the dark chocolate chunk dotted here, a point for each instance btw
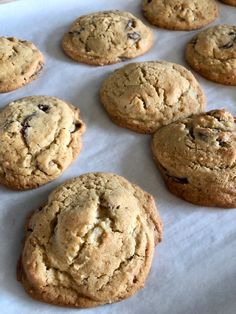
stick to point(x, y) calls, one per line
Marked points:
point(222, 143)
point(25, 124)
point(179, 180)
point(202, 136)
point(194, 41)
point(191, 133)
point(131, 24)
point(228, 45)
point(135, 36)
point(175, 179)
point(43, 107)
point(77, 127)
point(233, 35)
point(149, 1)
point(123, 58)
point(77, 32)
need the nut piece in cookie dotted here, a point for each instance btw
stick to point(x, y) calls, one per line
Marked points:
point(40, 136)
point(91, 244)
point(20, 63)
point(145, 96)
point(212, 53)
point(107, 37)
point(197, 158)
point(180, 14)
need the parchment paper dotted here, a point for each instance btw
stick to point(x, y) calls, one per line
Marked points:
point(194, 269)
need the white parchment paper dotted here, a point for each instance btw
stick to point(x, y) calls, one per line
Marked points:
point(194, 269)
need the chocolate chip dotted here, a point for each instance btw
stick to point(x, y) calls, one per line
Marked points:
point(191, 133)
point(233, 35)
point(43, 107)
point(222, 143)
point(30, 229)
point(175, 179)
point(202, 136)
point(77, 32)
point(179, 180)
point(131, 24)
point(77, 127)
point(149, 1)
point(228, 45)
point(194, 41)
point(135, 36)
point(123, 58)
point(25, 124)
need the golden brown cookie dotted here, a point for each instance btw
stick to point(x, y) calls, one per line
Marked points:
point(145, 96)
point(230, 2)
point(180, 14)
point(20, 63)
point(197, 158)
point(212, 53)
point(92, 243)
point(107, 37)
point(40, 136)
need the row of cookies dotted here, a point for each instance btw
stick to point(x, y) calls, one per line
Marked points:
point(211, 52)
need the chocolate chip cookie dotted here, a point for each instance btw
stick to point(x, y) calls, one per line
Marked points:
point(212, 53)
point(107, 37)
point(147, 95)
point(20, 63)
point(92, 243)
point(180, 14)
point(230, 2)
point(40, 136)
point(197, 158)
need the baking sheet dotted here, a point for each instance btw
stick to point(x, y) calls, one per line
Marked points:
point(194, 269)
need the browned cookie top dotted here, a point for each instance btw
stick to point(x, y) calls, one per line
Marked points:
point(92, 243)
point(145, 96)
point(212, 53)
point(20, 62)
point(180, 14)
point(197, 157)
point(106, 37)
point(40, 136)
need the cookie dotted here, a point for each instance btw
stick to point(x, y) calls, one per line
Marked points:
point(107, 37)
point(40, 136)
point(196, 157)
point(147, 95)
point(230, 2)
point(92, 243)
point(212, 53)
point(20, 63)
point(180, 14)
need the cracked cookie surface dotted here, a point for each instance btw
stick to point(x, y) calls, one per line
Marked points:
point(20, 63)
point(180, 14)
point(107, 37)
point(40, 136)
point(197, 158)
point(147, 95)
point(91, 244)
point(231, 2)
point(212, 53)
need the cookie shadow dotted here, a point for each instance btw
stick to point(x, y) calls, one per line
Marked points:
point(53, 45)
point(12, 233)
